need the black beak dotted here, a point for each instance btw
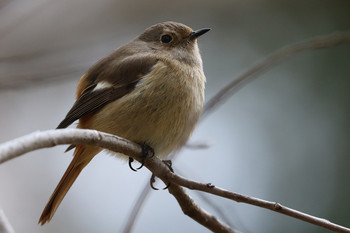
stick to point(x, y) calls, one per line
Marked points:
point(198, 33)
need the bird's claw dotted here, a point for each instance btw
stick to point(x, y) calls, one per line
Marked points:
point(130, 162)
point(168, 163)
point(147, 151)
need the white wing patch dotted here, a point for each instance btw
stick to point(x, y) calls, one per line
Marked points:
point(102, 85)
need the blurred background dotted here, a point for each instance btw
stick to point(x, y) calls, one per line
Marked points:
point(284, 137)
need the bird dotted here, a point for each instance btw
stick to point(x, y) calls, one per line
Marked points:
point(149, 91)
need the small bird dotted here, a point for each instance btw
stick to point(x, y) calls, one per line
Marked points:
point(150, 91)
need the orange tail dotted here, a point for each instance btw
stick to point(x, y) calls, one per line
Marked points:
point(82, 156)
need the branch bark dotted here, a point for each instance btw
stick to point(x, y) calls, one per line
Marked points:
point(274, 206)
point(50, 138)
point(37, 140)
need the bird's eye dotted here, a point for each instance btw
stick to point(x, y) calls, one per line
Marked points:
point(166, 38)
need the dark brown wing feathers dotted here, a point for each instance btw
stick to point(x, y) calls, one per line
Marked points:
point(88, 103)
point(123, 75)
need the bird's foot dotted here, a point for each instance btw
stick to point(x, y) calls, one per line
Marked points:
point(168, 163)
point(147, 151)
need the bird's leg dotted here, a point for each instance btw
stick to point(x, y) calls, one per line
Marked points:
point(147, 151)
point(168, 163)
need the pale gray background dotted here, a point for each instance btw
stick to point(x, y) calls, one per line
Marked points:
point(284, 137)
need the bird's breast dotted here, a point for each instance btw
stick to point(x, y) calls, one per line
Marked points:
point(161, 111)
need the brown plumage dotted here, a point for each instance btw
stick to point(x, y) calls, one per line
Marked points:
point(150, 90)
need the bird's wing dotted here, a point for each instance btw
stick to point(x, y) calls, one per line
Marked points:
point(107, 81)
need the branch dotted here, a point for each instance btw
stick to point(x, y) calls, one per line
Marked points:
point(191, 209)
point(274, 206)
point(210, 202)
point(5, 226)
point(50, 138)
point(136, 208)
point(16, 147)
point(45, 77)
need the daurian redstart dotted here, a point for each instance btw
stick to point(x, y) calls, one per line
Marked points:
point(150, 91)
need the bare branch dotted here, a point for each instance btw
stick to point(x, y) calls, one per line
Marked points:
point(136, 208)
point(274, 206)
point(23, 18)
point(16, 147)
point(197, 145)
point(191, 209)
point(5, 226)
point(270, 61)
point(210, 202)
point(40, 78)
point(50, 138)
point(216, 208)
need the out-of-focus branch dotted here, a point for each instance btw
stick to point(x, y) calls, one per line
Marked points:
point(50, 138)
point(136, 208)
point(3, 4)
point(270, 61)
point(197, 145)
point(19, 146)
point(5, 226)
point(41, 78)
point(24, 18)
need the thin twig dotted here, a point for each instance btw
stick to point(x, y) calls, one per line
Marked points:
point(197, 145)
point(274, 206)
point(270, 61)
point(40, 78)
point(136, 208)
point(5, 226)
point(23, 18)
